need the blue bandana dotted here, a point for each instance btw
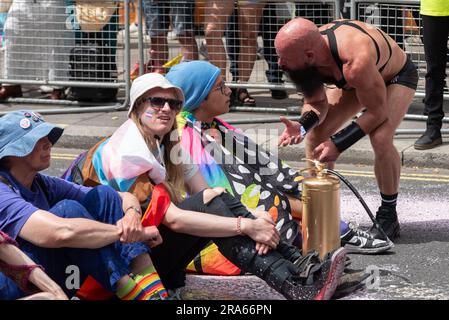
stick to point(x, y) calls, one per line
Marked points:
point(196, 79)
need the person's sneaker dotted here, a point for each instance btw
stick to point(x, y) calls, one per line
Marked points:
point(316, 279)
point(350, 281)
point(428, 141)
point(388, 220)
point(359, 241)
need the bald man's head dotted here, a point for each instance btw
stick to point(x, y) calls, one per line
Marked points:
point(295, 45)
point(295, 37)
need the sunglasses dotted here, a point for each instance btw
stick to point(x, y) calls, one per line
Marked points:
point(159, 103)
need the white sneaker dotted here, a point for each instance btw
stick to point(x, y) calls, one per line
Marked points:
point(359, 241)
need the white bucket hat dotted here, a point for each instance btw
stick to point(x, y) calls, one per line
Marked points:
point(149, 81)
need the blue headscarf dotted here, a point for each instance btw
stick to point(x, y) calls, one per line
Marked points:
point(195, 78)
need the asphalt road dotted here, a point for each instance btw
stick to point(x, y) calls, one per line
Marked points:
point(417, 267)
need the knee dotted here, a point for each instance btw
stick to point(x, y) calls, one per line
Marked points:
point(70, 209)
point(219, 190)
point(102, 193)
point(210, 194)
point(381, 142)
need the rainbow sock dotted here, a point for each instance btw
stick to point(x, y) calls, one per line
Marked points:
point(149, 282)
point(130, 291)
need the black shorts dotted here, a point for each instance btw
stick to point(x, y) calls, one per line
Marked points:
point(408, 76)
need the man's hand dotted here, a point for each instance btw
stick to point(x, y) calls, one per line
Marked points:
point(291, 134)
point(131, 226)
point(326, 152)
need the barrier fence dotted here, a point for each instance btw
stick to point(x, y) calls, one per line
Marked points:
point(74, 51)
point(87, 44)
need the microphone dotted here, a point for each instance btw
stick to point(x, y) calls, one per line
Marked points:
point(157, 137)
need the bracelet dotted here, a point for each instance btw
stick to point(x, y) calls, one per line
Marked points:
point(308, 120)
point(136, 209)
point(239, 225)
point(348, 136)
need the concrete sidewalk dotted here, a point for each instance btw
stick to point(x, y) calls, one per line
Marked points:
point(83, 130)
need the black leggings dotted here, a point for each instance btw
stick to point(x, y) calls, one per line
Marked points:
point(178, 249)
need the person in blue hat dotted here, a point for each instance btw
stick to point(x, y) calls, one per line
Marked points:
point(59, 224)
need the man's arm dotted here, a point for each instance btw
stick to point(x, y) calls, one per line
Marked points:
point(362, 74)
point(317, 104)
point(313, 112)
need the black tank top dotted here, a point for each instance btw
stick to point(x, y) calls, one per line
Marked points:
point(330, 33)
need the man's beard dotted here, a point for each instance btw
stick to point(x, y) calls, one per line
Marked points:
point(307, 80)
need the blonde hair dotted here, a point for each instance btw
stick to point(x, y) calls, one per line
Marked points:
point(174, 181)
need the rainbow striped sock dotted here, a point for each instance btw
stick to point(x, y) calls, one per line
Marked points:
point(151, 285)
point(130, 291)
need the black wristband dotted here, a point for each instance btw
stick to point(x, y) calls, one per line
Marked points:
point(346, 137)
point(308, 120)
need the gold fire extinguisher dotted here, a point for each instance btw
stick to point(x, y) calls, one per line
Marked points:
point(321, 211)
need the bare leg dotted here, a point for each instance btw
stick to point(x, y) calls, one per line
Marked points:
point(249, 20)
point(387, 165)
point(140, 263)
point(158, 52)
point(216, 14)
point(189, 48)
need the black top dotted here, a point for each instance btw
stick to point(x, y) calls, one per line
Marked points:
point(330, 33)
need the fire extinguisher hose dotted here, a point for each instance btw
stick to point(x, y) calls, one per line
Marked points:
point(357, 194)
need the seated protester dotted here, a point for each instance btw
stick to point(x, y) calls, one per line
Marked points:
point(29, 276)
point(141, 157)
point(60, 224)
point(242, 175)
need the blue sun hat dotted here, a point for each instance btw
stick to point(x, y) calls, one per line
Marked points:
point(21, 130)
point(196, 79)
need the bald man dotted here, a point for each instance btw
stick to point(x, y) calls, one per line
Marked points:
point(369, 72)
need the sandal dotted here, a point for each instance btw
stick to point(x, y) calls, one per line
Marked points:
point(242, 98)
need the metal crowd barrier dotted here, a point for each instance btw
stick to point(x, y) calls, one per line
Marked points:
point(247, 52)
point(250, 62)
point(68, 43)
point(402, 21)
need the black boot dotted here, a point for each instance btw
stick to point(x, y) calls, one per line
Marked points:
point(306, 278)
point(430, 139)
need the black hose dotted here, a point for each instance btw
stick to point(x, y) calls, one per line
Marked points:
point(357, 194)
